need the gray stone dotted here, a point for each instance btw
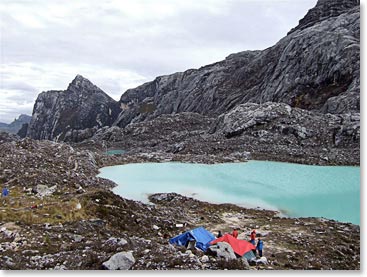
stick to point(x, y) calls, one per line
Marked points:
point(262, 260)
point(155, 227)
point(204, 259)
point(43, 190)
point(116, 241)
point(78, 238)
point(120, 261)
point(223, 250)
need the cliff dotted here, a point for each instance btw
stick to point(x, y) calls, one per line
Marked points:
point(315, 67)
point(82, 105)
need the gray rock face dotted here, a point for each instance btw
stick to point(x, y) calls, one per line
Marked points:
point(61, 114)
point(120, 261)
point(325, 9)
point(277, 121)
point(277, 126)
point(315, 67)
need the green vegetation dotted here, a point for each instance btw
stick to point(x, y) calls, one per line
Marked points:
point(29, 209)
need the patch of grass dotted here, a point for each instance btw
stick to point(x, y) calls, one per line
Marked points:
point(29, 209)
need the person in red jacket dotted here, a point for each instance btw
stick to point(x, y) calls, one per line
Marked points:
point(235, 233)
point(253, 237)
point(252, 240)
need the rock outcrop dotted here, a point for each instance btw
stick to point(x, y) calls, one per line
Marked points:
point(57, 114)
point(278, 121)
point(315, 67)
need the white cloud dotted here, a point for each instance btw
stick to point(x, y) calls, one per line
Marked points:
point(121, 44)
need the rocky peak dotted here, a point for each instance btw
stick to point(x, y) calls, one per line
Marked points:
point(24, 118)
point(313, 68)
point(81, 84)
point(325, 9)
point(81, 106)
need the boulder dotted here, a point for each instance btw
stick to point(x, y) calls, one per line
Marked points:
point(43, 190)
point(204, 259)
point(223, 250)
point(262, 260)
point(77, 238)
point(120, 261)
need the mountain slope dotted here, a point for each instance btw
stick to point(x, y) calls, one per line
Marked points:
point(315, 67)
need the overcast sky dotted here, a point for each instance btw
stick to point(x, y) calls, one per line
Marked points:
point(120, 44)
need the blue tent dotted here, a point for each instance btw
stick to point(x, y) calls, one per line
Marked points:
point(202, 237)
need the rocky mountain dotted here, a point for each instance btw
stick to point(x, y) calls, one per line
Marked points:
point(296, 101)
point(315, 67)
point(58, 114)
point(16, 125)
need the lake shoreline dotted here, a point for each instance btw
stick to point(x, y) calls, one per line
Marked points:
point(81, 223)
point(251, 176)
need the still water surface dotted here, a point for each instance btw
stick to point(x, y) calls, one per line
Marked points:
point(296, 190)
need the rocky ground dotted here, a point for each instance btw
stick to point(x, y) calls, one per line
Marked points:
point(271, 131)
point(73, 220)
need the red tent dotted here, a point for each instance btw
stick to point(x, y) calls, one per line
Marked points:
point(239, 247)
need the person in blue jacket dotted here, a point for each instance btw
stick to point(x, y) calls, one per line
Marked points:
point(5, 192)
point(259, 247)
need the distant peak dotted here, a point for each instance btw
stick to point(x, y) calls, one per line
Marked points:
point(24, 116)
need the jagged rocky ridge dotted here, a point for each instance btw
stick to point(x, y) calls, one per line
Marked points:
point(315, 67)
point(57, 114)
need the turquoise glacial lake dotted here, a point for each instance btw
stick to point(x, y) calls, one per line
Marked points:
point(295, 190)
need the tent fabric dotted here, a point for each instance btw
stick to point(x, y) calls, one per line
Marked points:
point(239, 247)
point(249, 255)
point(202, 237)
